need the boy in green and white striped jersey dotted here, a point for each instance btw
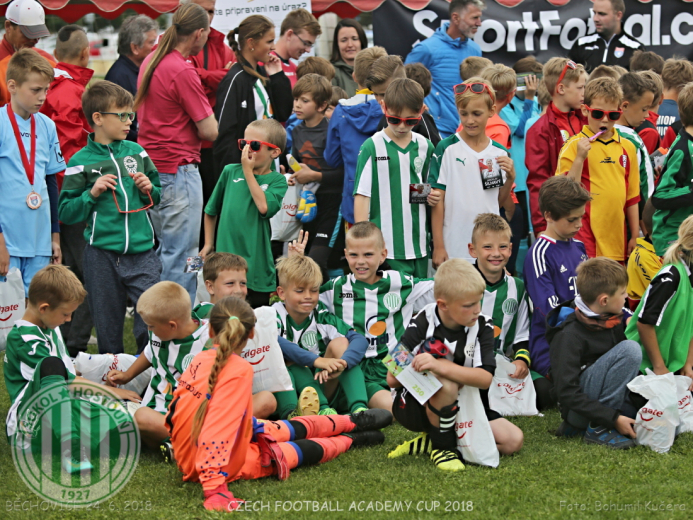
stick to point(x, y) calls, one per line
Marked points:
point(505, 298)
point(303, 320)
point(391, 176)
point(176, 335)
point(378, 304)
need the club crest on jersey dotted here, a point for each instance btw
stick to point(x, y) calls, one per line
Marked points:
point(309, 340)
point(469, 349)
point(510, 306)
point(392, 301)
point(130, 164)
point(618, 52)
point(186, 362)
point(624, 160)
point(418, 164)
point(264, 187)
point(565, 135)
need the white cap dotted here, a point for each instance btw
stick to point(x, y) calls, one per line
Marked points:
point(30, 17)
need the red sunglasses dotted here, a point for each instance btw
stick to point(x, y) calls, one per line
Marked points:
point(151, 204)
point(598, 113)
point(409, 121)
point(569, 65)
point(476, 88)
point(254, 145)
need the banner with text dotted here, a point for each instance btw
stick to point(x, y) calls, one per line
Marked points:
point(538, 27)
point(230, 13)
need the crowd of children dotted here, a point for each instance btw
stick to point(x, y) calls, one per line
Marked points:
point(416, 240)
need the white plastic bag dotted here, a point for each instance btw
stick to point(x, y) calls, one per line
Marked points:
point(285, 225)
point(265, 355)
point(475, 439)
point(95, 367)
point(683, 396)
point(11, 303)
point(508, 396)
point(655, 425)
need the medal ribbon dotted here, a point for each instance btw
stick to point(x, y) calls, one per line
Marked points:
point(28, 166)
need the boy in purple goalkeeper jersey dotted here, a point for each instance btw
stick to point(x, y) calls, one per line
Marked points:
point(550, 270)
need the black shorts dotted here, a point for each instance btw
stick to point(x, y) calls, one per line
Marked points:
point(324, 229)
point(412, 415)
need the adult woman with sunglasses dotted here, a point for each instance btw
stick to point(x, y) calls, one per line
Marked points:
point(349, 39)
point(250, 90)
point(175, 116)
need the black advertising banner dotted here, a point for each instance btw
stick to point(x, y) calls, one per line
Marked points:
point(538, 27)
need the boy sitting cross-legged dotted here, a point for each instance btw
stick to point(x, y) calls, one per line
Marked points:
point(459, 289)
point(176, 335)
point(302, 319)
point(593, 336)
point(376, 303)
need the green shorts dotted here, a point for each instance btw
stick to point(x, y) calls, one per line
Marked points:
point(418, 267)
point(375, 376)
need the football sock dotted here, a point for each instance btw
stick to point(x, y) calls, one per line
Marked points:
point(354, 388)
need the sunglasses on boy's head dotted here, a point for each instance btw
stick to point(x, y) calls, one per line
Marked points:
point(123, 116)
point(255, 145)
point(409, 121)
point(598, 113)
point(569, 65)
point(476, 88)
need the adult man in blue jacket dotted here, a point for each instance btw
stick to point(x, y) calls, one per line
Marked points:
point(442, 54)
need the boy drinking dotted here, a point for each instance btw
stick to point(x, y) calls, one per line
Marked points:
point(29, 159)
point(110, 184)
point(246, 197)
point(391, 165)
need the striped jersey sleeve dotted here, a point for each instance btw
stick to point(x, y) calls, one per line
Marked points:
point(658, 295)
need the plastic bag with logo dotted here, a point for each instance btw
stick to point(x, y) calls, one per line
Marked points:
point(265, 355)
point(95, 367)
point(508, 396)
point(475, 439)
point(655, 425)
point(11, 303)
point(683, 395)
point(285, 226)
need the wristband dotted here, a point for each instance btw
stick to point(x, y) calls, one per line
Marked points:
point(524, 356)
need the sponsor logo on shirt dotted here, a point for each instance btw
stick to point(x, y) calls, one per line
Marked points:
point(461, 160)
point(346, 295)
point(238, 180)
point(607, 160)
point(563, 269)
point(155, 343)
point(383, 158)
point(377, 329)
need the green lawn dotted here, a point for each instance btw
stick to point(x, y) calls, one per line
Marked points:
point(550, 478)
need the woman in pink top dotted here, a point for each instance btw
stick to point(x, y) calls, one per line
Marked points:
point(175, 117)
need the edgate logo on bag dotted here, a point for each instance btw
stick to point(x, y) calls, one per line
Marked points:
point(10, 309)
point(686, 401)
point(650, 411)
point(510, 389)
point(255, 352)
point(290, 209)
point(463, 426)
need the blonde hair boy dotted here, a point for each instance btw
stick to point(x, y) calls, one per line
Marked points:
point(363, 62)
point(163, 302)
point(457, 279)
point(299, 271)
point(502, 79)
point(472, 66)
point(462, 100)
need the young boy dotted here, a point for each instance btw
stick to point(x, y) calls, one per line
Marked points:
point(376, 303)
point(422, 76)
point(672, 198)
point(456, 315)
point(471, 171)
point(676, 74)
point(503, 81)
point(591, 359)
point(176, 335)
point(638, 96)
point(472, 66)
point(36, 360)
point(353, 121)
point(565, 82)
point(29, 227)
point(109, 184)
point(551, 264)
point(302, 319)
point(505, 299)
point(247, 196)
point(602, 159)
point(312, 95)
point(64, 100)
point(391, 164)
point(297, 36)
point(64, 106)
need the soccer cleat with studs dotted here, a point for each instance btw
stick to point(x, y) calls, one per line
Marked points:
point(418, 445)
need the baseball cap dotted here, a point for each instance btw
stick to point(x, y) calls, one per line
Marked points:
point(30, 17)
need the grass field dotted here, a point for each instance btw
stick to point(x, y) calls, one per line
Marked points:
point(549, 478)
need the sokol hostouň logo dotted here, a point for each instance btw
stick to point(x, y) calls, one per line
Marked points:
point(75, 445)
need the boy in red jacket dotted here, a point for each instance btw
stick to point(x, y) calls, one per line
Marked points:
point(565, 81)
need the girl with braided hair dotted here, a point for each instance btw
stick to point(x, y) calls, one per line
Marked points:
point(215, 437)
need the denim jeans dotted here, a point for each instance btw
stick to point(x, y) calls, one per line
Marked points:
point(176, 221)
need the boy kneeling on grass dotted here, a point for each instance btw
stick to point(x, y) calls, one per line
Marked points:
point(593, 400)
point(459, 289)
